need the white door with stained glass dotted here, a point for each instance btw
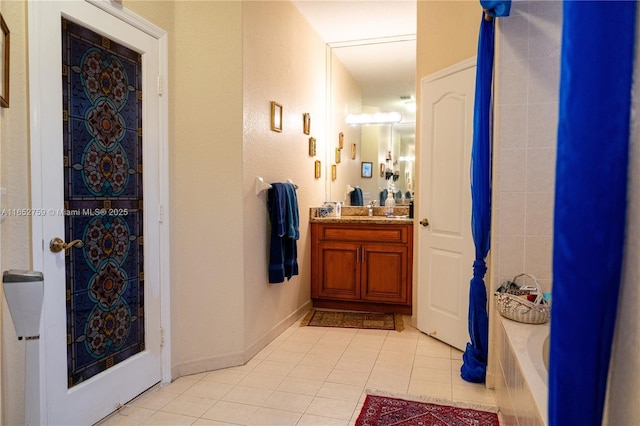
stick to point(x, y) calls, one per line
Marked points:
point(96, 143)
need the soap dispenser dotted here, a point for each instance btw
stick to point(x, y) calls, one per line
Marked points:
point(389, 203)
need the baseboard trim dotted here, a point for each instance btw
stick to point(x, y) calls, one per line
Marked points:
point(277, 330)
point(209, 364)
point(235, 359)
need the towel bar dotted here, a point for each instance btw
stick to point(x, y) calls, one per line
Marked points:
point(261, 185)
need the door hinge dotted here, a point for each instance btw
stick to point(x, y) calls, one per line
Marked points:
point(160, 85)
point(161, 337)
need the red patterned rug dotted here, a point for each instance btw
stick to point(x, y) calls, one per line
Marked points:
point(383, 411)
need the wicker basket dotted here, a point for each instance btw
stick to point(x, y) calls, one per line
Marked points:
point(514, 307)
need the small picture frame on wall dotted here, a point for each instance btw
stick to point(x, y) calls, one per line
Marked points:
point(334, 172)
point(366, 169)
point(338, 155)
point(306, 123)
point(276, 117)
point(318, 169)
point(341, 140)
point(382, 167)
point(353, 151)
point(312, 147)
point(4, 64)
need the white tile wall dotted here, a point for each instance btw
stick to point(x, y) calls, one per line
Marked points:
point(527, 81)
point(517, 406)
point(526, 120)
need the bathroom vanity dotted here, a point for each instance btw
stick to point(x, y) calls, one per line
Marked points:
point(362, 263)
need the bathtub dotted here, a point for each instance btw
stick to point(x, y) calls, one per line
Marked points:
point(522, 385)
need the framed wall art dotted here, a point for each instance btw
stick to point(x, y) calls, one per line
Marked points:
point(340, 140)
point(353, 151)
point(276, 117)
point(382, 167)
point(367, 169)
point(318, 169)
point(334, 172)
point(312, 147)
point(306, 123)
point(338, 155)
point(4, 64)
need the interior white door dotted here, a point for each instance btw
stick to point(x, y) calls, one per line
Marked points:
point(445, 244)
point(95, 155)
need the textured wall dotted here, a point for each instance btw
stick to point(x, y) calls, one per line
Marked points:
point(15, 232)
point(624, 375)
point(283, 61)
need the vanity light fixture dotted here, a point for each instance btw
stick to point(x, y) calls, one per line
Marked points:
point(375, 118)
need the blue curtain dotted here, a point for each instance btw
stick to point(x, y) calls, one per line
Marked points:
point(590, 204)
point(474, 365)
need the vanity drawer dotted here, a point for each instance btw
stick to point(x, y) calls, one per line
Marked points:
point(376, 233)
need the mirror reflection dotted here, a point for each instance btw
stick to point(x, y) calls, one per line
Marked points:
point(372, 77)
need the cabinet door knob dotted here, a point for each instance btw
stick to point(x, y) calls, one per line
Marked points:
point(424, 222)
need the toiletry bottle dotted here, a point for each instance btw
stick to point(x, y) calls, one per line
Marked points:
point(389, 204)
point(370, 209)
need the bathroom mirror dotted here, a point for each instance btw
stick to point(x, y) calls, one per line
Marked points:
point(370, 76)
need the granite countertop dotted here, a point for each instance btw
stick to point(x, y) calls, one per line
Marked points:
point(353, 215)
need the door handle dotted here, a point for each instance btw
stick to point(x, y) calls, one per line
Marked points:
point(56, 245)
point(424, 222)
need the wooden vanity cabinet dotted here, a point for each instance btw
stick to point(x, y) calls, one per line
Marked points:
point(366, 267)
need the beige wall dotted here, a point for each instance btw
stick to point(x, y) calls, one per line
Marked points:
point(205, 154)
point(623, 392)
point(207, 263)
point(15, 248)
point(447, 34)
point(284, 61)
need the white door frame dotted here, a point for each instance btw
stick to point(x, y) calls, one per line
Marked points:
point(35, 395)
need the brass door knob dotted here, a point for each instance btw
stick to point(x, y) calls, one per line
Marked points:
point(424, 222)
point(56, 245)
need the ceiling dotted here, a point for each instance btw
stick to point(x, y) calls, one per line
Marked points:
point(383, 63)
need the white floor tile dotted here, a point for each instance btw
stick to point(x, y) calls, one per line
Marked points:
point(261, 380)
point(300, 386)
point(310, 372)
point(230, 412)
point(247, 395)
point(161, 418)
point(358, 378)
point(209, 390)
point(341, 391)
point(333, 408)
point(269, 416)
point(310, 376)
point(226, 375)
point(288, 401)
point(313, 420)
point(189, 405)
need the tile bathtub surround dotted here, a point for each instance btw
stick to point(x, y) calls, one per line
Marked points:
point(517, 404)
point(310, 376)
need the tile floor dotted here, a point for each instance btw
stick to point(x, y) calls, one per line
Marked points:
point(309, 376)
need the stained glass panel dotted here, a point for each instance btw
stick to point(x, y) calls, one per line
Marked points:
point(102, 143)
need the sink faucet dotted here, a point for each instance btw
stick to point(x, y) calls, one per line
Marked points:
point(372, 204)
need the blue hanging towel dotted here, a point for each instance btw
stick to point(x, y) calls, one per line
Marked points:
point(356, 197)
point(383, 197)
point(285, 231)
